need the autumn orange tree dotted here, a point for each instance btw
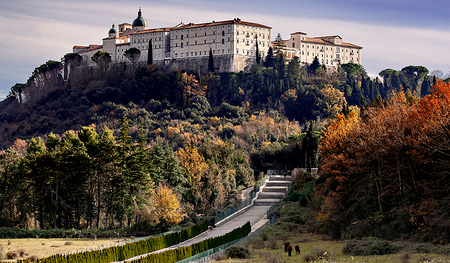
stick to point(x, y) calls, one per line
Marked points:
point(386, 174)
point(167, 205)
point(190, 87)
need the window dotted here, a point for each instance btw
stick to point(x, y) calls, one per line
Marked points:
point(196, 53)
point(205, 34)
point(223, 32)
point(182, 45)
point(176, 44)
point(214, 41)
point(200, 53)
point(223, 41)
point(176, 37)
point(293, 44)
point(223, 51)
point(237, 40)
point(205, 41)
point(159, 38)
point(195, 34)
point(182, 37)
point(196, 42)
point(192, 54)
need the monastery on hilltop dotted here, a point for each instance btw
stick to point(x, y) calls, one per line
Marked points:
point(233, 44)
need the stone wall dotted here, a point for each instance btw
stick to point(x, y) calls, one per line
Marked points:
point(222, 63)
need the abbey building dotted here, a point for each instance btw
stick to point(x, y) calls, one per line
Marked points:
point(233, 43)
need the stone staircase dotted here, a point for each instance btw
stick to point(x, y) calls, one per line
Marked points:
point(274, 190)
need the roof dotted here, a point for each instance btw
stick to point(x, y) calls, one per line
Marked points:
point(89, 48)
point(140, 21)
point(297, 33)
point(219, 23)
point(319, 40)
point(164, 29)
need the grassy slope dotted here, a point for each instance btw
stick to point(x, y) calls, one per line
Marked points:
point(311, 244)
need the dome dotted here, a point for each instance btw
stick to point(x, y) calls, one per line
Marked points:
point(112, 30)
point(140, 21)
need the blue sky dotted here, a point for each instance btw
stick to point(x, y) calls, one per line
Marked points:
point(393, 33)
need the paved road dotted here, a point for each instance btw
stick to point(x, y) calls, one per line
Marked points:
point(254, 214)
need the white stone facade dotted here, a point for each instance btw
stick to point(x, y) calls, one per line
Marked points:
point(233, 40)
point(330, 50)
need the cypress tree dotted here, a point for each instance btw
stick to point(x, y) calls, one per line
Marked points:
point(150, 53)
point(269, 62)
point(258, 56)
point(211, 61)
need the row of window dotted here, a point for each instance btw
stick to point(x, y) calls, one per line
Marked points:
point(200, 53)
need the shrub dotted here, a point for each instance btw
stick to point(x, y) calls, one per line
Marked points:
point(11, 255)
point(317, 254)
point(237, 252)
point(272, 244)
point(256, 243)
point(368, 246)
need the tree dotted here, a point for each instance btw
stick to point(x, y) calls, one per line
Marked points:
point(70, 61)
point(314, 67)
point(167, 206)
point(210, 62)
point(190, 87)
point(133, 54)
point(258, 55)
point(279, 44)
point(269, 61)
point(150, 53)
point(102, 59)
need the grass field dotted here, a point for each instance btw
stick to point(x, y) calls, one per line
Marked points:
point(316, 249)
point(45, 247)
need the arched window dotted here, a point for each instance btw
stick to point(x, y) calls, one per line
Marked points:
point(293, 44)
point(223, 40)
point(182, 36)
point(223, 32)
point(182, 45)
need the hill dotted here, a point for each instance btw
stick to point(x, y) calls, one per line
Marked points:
point(91, 147)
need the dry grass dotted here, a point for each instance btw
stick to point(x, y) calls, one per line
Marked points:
point(47, 247)
point(311, 244)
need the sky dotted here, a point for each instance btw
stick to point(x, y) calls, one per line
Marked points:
point(393, 33)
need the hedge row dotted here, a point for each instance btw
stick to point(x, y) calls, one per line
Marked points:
point(181, 253)
point(129, 250)
point(11, 232)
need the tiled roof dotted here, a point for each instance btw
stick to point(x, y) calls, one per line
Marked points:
point(91, 48)
point(86, 47)
point(164, 29)
point(219, 23)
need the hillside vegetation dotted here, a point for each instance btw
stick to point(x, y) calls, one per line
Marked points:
point(118, 146)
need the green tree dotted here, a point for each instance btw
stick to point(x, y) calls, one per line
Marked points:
point(258, 55)
point(133, 54)
point(102, 59)
point(270, 60)
point(71, 61)
point(150, 52)
point(210, 62)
